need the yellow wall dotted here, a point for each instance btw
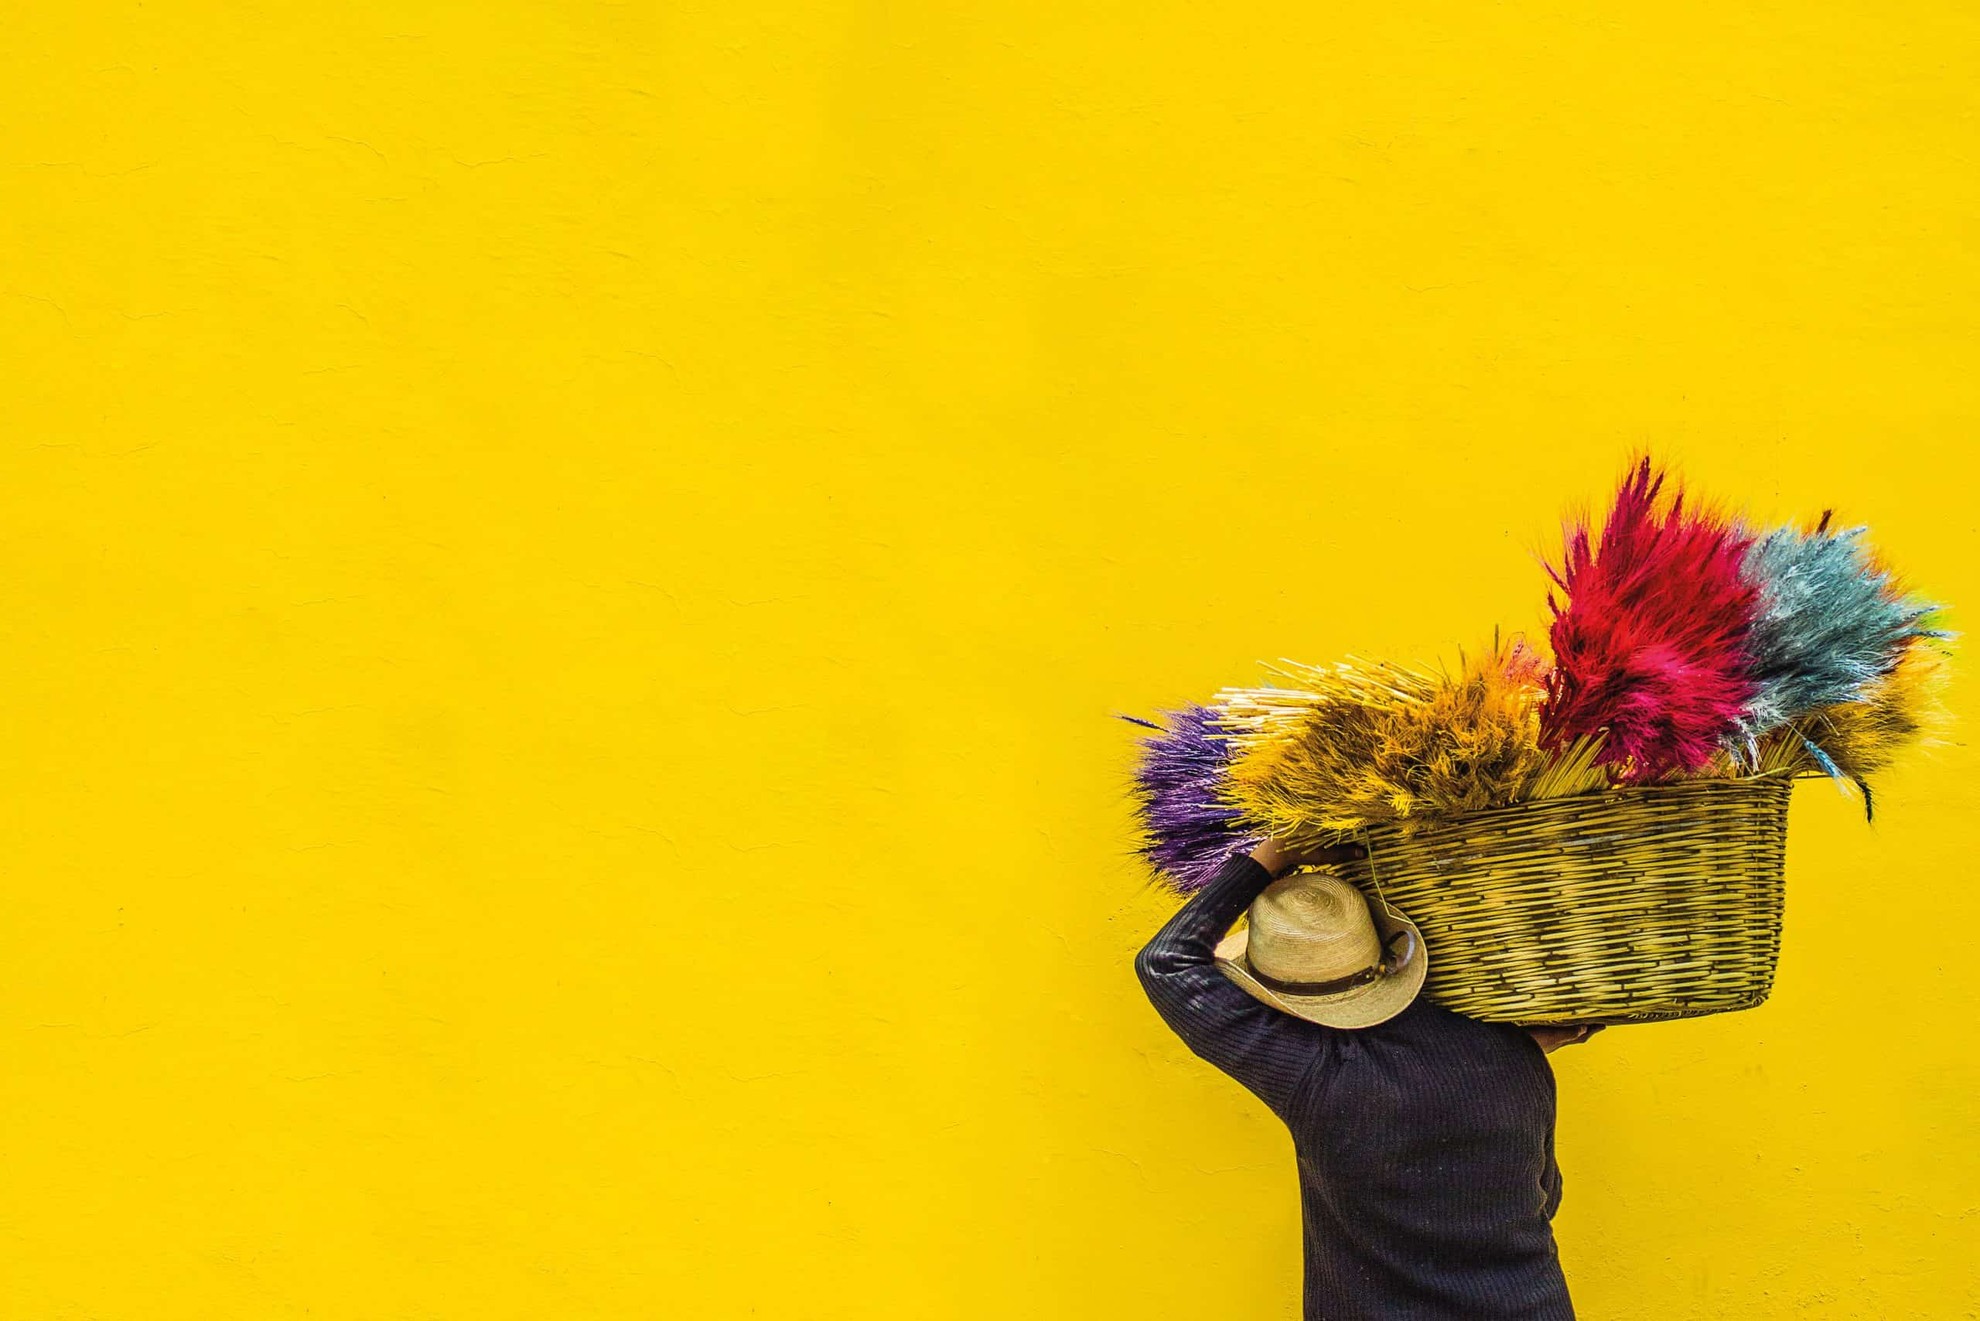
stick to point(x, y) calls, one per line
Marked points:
point(567, 569)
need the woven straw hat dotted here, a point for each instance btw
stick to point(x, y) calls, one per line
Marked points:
point(1317, 949)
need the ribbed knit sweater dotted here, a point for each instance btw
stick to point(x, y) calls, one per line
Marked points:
point(1425, 1144)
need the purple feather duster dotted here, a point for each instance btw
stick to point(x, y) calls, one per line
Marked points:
point(1187, 829)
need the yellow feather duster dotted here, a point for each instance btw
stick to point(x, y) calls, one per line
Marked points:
point(1572, 770)
point(1357, 743)
point(1862, 737)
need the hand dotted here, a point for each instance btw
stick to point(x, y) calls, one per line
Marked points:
point(1553, 1036)
point(1276, 858)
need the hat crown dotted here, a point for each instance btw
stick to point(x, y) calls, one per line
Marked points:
point(1311, 927)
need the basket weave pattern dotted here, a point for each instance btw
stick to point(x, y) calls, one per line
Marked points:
point(1645, 903)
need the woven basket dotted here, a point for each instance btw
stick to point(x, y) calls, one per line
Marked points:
point(1626, 906)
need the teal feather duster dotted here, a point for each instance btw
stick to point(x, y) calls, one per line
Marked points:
point(1829, 621)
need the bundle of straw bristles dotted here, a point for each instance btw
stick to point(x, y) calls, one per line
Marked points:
point(1685, 643)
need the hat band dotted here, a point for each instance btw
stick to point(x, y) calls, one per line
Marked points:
point(1334, 986)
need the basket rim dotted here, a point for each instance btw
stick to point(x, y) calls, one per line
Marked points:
point(1596, 799)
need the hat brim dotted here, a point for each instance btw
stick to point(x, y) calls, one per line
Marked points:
point(1364, 1006)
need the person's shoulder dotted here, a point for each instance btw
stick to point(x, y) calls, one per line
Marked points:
point(1426, 1019)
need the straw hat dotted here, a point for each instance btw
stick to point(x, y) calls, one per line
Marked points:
point(1317, 949)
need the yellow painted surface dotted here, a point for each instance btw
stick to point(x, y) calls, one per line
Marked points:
point(567, 569)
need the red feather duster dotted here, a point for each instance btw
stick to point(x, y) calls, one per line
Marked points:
point(1651, 639)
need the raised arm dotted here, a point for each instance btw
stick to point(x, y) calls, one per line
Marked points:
point(1267, 1051)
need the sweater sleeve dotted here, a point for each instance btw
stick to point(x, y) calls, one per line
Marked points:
point(1267, 1051)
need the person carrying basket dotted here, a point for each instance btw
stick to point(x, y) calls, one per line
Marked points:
point(1425, 1139)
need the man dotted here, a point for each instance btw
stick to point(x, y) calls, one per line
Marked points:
point(1424, 1139)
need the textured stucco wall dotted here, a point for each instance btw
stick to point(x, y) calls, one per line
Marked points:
point(566, 569)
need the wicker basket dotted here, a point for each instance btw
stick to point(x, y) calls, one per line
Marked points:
point(1627, 906)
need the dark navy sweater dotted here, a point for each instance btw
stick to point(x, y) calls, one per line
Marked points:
point(1425, 1144)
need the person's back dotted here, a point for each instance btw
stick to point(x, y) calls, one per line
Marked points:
point(1424, 1143)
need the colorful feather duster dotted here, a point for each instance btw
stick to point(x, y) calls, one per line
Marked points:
point(1830, 620)
point(1187, 829)
point(1650, 643)
point(1357, 744)
point(1685, 643)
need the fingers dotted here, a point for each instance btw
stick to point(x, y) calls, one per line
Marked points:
point(1333, 855)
